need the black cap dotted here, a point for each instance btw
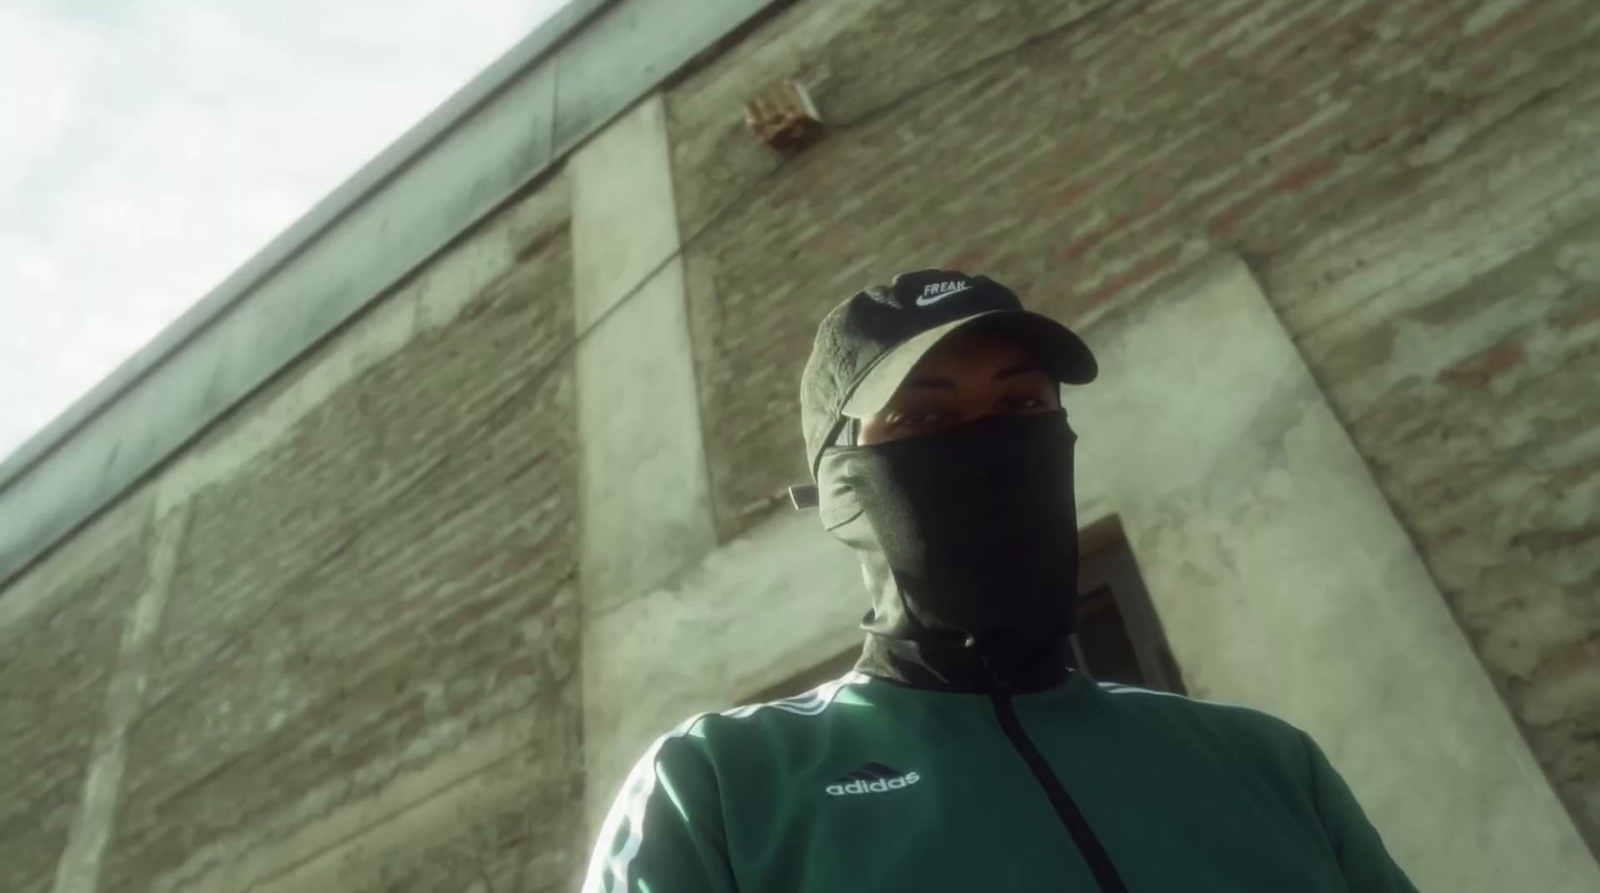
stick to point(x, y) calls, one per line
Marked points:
point(867, 345)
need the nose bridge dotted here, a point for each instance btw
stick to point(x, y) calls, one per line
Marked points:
point(971, 414)
point(977, 396)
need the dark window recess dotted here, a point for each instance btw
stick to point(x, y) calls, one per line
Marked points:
point(1119, 637)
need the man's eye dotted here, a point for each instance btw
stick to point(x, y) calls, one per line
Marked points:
point(1024, 401)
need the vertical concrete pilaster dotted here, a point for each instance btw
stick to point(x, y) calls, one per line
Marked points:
point(646, 508)
point(79, 868)
point(645, 502)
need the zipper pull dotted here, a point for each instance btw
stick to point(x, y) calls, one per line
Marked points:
point(996, 685)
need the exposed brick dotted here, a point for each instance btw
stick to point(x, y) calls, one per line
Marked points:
point(1498, 21)
point(1556, 542)
point(1578, 318)
point(444, 605)
point(1491, 461)
point(55, 666)
point(508, 850)
point(1145, 270)
point(1486, 367)
point(349, 458)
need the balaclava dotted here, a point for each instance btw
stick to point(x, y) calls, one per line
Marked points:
point(967, 537)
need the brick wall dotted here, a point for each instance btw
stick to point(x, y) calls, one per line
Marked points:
point(1478, 412)
point(1409, 179)
point(382, 588)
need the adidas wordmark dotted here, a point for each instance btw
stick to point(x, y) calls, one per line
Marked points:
point(880, 786)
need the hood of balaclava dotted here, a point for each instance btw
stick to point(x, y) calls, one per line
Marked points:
point(968, 543)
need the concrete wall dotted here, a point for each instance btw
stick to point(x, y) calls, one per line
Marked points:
point(646, 509)
point(1413, 182)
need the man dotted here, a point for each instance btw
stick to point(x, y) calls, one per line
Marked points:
point(963, 753)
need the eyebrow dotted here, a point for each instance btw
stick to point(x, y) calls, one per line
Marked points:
point(929, 382)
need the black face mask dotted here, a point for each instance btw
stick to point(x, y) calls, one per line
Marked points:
point(968, 534)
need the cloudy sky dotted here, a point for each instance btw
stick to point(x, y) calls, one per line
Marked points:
point(150, 147)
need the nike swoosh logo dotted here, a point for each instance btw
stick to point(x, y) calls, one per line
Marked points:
point(924, 301)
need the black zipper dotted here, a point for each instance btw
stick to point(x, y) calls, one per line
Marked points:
point(1105, 874)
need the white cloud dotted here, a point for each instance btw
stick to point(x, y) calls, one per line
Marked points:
point(39, 112)
point(156, 146)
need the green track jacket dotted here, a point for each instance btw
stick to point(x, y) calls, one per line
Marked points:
point(867, 785)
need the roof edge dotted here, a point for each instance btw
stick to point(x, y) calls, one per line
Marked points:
point(486, 145)
point(325, 214)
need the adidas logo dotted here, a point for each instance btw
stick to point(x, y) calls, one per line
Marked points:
point(873, 778)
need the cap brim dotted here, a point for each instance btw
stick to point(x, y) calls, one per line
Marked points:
point(1060, 352)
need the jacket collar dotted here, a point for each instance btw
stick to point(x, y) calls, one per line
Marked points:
point(953, 664)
